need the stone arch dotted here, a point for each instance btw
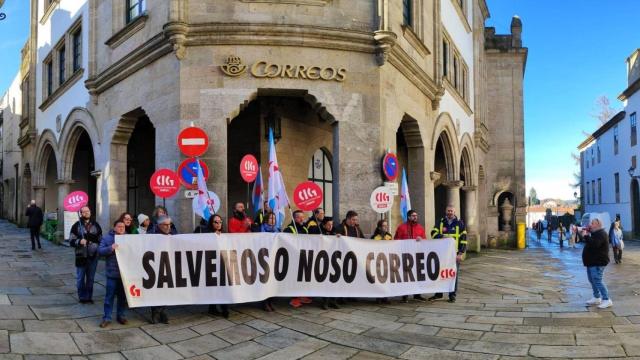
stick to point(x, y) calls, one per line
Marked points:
point(78, 121)
point(467, 160)
point(445, 131)
point(45, 147)
point(410, 152)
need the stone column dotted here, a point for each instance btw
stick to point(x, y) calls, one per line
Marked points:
point(453, 193)
point(64, 186)
point(470, 218)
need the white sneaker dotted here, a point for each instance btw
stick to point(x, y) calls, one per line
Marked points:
point(605, 304)
point(594, 301)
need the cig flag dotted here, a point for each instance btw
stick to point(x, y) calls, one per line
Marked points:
point(405, 200)
point(258, 190)
point(205, 209)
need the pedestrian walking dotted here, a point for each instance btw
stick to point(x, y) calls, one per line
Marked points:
point(451, 226)
point(549, 230)
point(561, 233)
point(595, 256)
point(539, 229)
point(143, 224)
point(573, 235)
point(164, 227)
point(36, 218)
point(411, 230)
point(85, 238)
point(617, 243)
point(239, 222)
point(115, 288)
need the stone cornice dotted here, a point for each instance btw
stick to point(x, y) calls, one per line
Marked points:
point(414, 73)
point(416, 42)
point(279, 35)
point(145, 54)
point(48, 11)
point(61, 89)
point(463, 16)
point(458, 97)
point(296, 2)
point(128, 31)
point(628, 92)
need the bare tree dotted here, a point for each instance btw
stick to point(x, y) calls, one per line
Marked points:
point(603, 110)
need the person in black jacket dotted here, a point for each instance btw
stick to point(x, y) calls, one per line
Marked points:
point(36, 218)
point(85, 238)
point(350, 226)
point(595, 256)
point(314, 222)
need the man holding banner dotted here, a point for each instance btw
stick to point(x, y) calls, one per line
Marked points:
point(451, 226)
point(411, 230)
point(239, 222)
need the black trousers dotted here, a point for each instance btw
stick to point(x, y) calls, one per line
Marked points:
point(35, 236)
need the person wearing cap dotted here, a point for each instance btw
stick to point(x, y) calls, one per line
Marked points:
point(143, 223)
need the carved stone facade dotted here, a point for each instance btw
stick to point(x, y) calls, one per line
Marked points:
point(348, 80)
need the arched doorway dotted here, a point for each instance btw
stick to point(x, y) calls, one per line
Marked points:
point(410, 152)
point(635, 206)
point(441, 165)
point(320, 172)
point(468, 190)
point(83, 168)
point(299, 131)
point(141, 163)
point(50, 178)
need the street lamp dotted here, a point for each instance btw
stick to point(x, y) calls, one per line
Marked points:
point(631, 170)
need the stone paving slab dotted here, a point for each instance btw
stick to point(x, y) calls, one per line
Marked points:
point(365, 343)
point(199, 345)
point(162, 352)
point(237, 334)
point(499, 348)
point(113, 341)
point(334, 352)
point(297, 350)
point(43, 343)
point(422, 353)
point(246, 350)
point(577, 351)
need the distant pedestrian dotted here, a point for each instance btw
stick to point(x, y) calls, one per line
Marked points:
point(616, 239)
point(549, 230)
point(573, 235)
point(36, 218)
point(561, 233)
point(595, 256)
point(85, 238)
point(539, 229)
point(115, 288)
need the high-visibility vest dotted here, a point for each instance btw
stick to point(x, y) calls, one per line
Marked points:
point(456, 235)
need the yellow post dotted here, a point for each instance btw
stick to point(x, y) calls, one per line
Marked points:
point(521, 233)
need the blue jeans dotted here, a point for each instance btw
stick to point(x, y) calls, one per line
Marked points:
point(595, 274)
point(114, 289)
point(84, 279)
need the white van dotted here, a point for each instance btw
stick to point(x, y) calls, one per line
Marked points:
point(604, 217)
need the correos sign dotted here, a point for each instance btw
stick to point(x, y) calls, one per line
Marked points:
point(265, 69)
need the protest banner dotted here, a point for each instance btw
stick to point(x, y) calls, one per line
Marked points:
point(237, 268)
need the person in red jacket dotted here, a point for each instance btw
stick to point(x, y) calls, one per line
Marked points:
point(411, 230)
point(239, 222)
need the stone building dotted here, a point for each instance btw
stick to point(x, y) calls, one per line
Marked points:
point(342, 82)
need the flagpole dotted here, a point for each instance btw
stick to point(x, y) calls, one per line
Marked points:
point(208, 196)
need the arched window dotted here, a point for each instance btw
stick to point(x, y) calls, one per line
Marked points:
point(320, 173)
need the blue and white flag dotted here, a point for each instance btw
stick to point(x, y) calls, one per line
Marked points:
point(257, 193)
point(405, 200)
point(205, 204)
point(277, 195)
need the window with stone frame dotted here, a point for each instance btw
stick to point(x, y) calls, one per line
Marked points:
point(76, 43)
point(320, 172)
point(615, 140)
point(62, 63)
point(456, 67)
point(134, 9)
point(24, 88)
point(407, 13)
point(445, 57)
point(616, 179)
point(47, 76)
point(599, 191)
point(598, 150)
point(634, 129)
point(593, 192)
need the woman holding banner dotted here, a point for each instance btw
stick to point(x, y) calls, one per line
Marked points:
point(269, 226)
point(382, 231)
point(215, 227)
point(127, 219)
point(115, 289)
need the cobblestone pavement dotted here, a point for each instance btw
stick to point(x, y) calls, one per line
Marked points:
point(512, 304)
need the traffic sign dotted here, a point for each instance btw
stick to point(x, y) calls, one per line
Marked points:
point(381, 200)
point(193, 141)
point(164, 183)
point(393, 187)
point(76, 201)
point(190, 194)
point(188, 172)
point(307, 196)
point(390, 166)
point(249, 168)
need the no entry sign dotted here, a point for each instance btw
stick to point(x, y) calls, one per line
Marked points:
point(193, 141)
point(76, 201)
point(307, 196)
point(188, 173)
point(390, 166)
point(249, 168)
point(164, 183)
point(381, 200)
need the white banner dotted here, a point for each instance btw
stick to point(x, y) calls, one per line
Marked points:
point(239, 268)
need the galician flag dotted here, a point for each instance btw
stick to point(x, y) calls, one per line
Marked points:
point(258, 190)
point(405, 200)
point(277, 195)
point(205, 204)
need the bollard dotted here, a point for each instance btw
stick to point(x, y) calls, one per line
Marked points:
point(521, 235)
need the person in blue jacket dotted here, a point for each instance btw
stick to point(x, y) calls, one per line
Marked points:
point(115, 288)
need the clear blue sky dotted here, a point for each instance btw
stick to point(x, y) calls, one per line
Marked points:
point(577, 50)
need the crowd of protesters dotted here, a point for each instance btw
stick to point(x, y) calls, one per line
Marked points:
point(90, 243)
